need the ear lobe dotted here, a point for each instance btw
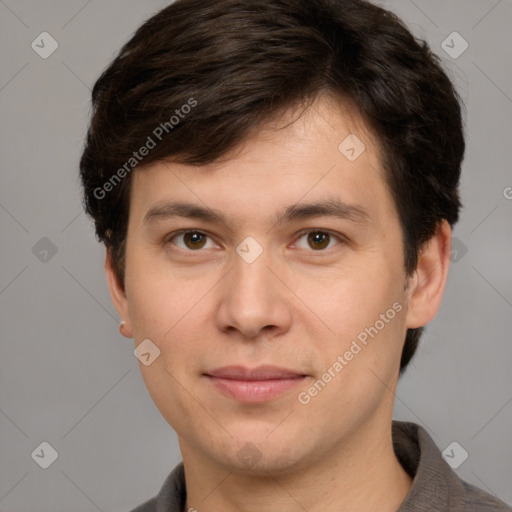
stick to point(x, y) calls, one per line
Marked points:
point(118, 295)
point(428, 283)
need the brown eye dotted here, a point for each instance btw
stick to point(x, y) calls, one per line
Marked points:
point(318, 240)
point(190, 240)
point(194, 240)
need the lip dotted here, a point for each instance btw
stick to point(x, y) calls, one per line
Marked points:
point(256, 385)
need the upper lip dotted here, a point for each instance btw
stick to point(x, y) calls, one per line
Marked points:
point(259, 373)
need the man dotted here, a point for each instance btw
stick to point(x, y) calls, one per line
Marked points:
point(275, 182)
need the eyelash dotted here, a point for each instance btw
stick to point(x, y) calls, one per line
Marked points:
point(338, 237)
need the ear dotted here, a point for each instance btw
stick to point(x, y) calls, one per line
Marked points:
point(118, 296)
point(427, 284)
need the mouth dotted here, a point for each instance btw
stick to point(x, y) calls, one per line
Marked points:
point(254, 385)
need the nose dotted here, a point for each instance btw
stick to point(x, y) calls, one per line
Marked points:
point(254, 302)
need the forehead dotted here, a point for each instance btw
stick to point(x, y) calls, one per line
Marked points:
point(323, 154)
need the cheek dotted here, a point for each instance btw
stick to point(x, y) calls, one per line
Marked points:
point(174, 314)
point(160, 303)
point(362, 312)
point(347, 300)
point(357, 366)
point(169, 318)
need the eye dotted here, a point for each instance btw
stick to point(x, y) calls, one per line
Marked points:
point(192, 240)
point(318, 240)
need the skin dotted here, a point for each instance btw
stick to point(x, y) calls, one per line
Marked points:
point(296, 306)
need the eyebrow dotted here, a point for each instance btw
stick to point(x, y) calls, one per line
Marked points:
point(327, 208)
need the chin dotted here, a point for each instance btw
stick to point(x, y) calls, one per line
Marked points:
point(260, 453)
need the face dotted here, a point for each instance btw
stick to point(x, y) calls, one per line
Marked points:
point(275, 293)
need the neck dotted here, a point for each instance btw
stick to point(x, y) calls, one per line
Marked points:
point(363, 474)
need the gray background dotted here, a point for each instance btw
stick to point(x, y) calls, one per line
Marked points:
point(69, 378)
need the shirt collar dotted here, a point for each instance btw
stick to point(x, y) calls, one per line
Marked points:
point(435, 485)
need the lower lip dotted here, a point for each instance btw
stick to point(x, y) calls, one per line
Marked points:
point(254, 391)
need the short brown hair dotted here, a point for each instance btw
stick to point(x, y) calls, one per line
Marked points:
point(235, 64)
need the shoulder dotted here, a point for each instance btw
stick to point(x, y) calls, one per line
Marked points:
point(172, 495)
point(477, 500)
point(147, 506)
point(435, 485)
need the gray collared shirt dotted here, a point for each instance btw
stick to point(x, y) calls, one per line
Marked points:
point(435, 488)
